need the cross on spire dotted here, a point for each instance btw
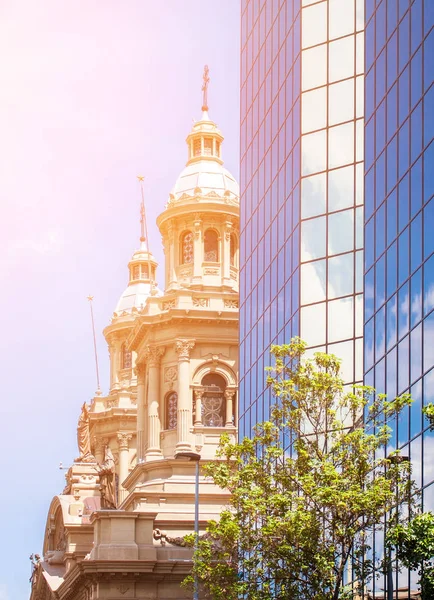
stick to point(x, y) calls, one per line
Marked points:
point(142, 211)
point(205, 88)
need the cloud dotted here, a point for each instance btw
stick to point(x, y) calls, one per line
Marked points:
point(3, 592)
point(50, 243)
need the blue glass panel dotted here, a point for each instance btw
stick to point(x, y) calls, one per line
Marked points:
point(392, 217)
point(391, 374)
point(404, 41)
point(369, 293)
point(380, 26)
point(428, 172)
point(391, 323)
point(392, 16)
point(416, 353)
point(404, 95)
point(392, 111)
point(369, 143)
point(416, 298)
point(370, 44)
point(428, 15)
point(403, 148)
point(403, 203)
point(380, 237)
point(416, 243)
point(416, 78)
point(416, 410)
point(380, 128)
point(428, 335)
point(416, 132)
point(403, 256)
point(428, 60)
point(428, 228)
point(380, 76)
point(403, 310)
point(380, 337)
point(428, 283)
point(369, 244)
point(428, 116)
point(392, 164)
point(403, 6)
point(403, 427)
point(416, 187)
point(403, 365)
point(380, 179)
point(392, 262)
point(369, 344)
point(380, 282)
point(416, 24)
point(369, 193)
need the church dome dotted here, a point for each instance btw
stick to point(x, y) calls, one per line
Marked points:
point(206, 175)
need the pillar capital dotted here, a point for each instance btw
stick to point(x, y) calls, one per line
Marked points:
point(229, 394)
point(183, 348)
point(124, 440)
point(153, 355)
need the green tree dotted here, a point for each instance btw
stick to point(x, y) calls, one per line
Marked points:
point(307, 488)
point(413, 545)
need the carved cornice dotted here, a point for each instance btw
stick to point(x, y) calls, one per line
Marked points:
point(183, 348)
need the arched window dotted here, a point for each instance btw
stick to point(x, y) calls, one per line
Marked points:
point(211, 246)
point(187, 252)
point(171, 405)
point(213, 400)
point(126, 357)
point(233, 249)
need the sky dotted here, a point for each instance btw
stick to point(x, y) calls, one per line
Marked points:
point(92, 94)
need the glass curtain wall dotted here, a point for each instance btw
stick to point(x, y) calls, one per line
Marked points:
point(399, 223)
point(302, 65)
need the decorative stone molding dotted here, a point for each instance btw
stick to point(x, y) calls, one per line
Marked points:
point(183, 348)
point(124, 440)
point(230, 303)
point(169, 304)
point(211, 271)
point(170, 374)
point(153, 355)
point(201, 302)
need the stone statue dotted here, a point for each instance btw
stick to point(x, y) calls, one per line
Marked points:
point(83, 436)
point(107, 480)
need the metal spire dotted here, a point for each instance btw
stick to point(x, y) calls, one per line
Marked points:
point(205, 88)
point(90, 298)
point(143, 226)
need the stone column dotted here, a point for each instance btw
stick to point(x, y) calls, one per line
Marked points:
point(226, 254)
point(154, 355)
point(141, 411)
point(229, 395)
point(172, 257)
point(123, 445)
point(116, 362)
point(198, 408)
point(183, 348)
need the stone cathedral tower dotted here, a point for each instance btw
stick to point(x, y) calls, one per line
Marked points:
point(116, 530)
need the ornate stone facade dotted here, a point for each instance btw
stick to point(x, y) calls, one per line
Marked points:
point(173, 390)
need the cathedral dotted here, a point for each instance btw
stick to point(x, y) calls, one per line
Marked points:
point(116, 531)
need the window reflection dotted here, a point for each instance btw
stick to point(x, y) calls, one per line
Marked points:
point(314, 72)
point(345, 351)
point(313, 195)
point(341, 18)
point(313, 148)
point(313, 238)
point(313, 324)
point(341, 59)
point(340, 275)
point(313, 112)
point(313, 282)
point(314, 25)
point(341, 102)
point(341, 145)
point(341, 232)
point(340, 319)
point(341, 188)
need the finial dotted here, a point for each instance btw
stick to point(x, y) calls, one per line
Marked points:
point(90, 298)
point(141, 178)
point(205, 88)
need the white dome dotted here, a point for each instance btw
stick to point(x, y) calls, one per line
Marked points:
point(209, 176)
point(135, 296)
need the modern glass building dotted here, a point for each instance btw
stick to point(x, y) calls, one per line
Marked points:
point(399, 224)
point(302, 65)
